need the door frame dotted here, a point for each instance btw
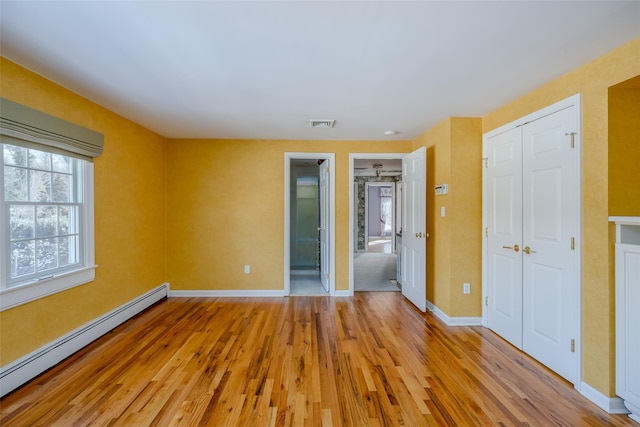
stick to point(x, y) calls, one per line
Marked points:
point(367, 185)
point(572, 101)
point(331, 159)
point(352, 207)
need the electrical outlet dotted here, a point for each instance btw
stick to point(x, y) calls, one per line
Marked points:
point(466, 288)
point(247, 269)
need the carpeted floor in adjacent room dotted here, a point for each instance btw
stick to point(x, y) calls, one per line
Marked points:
point(375, 272)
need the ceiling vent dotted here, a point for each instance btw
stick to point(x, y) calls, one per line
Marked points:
point(322, 124)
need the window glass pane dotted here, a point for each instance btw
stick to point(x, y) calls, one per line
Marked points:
point(39, 160)
point(13, 155)
point(22, 258)
point(68, 250)
point(63, 251)
point(21, 219)
point(60, 163)
point(63, 220)
point(47, 254)
point(61, 187)
point(46, 221)
point(15, 184)
point(40, 188)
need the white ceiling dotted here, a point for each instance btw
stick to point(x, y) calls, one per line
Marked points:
point(239, 69)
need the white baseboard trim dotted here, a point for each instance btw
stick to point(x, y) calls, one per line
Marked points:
point(454, 321)
point(346, 293)
point(226, 293)
point(612, 405)
point(241, 293)
point(18, 372)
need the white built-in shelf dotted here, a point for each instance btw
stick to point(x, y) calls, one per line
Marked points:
point(628, 312)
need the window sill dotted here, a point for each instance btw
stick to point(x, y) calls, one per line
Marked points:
point(22, 294)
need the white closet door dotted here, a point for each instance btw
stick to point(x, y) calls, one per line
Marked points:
point(550, 222)
point(532, 218)
point(504, 211)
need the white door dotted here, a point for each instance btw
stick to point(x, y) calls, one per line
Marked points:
point(324, 225)
point(504, 213)
point(414, 227)
point(550, 223)
point(532, 229)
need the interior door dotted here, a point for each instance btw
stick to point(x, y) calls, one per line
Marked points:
point(414, 228)
point(324, 230)
point(550, 224)
point(504, 213)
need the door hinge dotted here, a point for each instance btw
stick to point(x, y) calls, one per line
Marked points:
point(573, 138)
point(486, 232)
point(573, 243)
point(327, 276)
point(486, 301)
point(486, 162)
point(573, 346)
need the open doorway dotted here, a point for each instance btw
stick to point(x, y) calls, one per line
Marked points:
point(309, 219)
point(376, 221)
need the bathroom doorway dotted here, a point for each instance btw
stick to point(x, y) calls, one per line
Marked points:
point(309, 218)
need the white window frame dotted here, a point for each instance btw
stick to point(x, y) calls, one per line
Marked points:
point(39, 288)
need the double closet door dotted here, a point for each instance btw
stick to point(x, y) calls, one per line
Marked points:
point(531, 226)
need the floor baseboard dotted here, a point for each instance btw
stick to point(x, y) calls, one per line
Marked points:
point(454, 321)
point(612, 405)
point(225, 293)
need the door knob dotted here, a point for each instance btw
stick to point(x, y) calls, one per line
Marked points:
point(514, 247)
point(527, 250)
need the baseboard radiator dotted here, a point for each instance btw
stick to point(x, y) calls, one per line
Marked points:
point(18, 372)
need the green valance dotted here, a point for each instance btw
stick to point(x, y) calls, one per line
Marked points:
point(24, 126)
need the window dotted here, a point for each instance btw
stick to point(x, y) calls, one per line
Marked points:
point(46, 217)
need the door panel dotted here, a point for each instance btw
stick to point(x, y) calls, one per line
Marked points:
point(324, 225)
point(546, 303)
point(504, 210)
point(550, 221)
point(414, 228)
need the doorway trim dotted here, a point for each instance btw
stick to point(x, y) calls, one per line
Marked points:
point(331, 158)
point(352, 228)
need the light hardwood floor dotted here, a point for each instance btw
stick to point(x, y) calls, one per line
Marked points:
point(367, 360)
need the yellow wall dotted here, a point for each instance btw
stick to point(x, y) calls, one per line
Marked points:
point(438, 144)
point(225, 207)
point(624, 148)
point(592, 81)
point(465, 213)
point(454, 246)
point(129, 217)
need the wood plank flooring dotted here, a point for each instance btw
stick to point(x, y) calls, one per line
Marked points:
point(370, 360)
